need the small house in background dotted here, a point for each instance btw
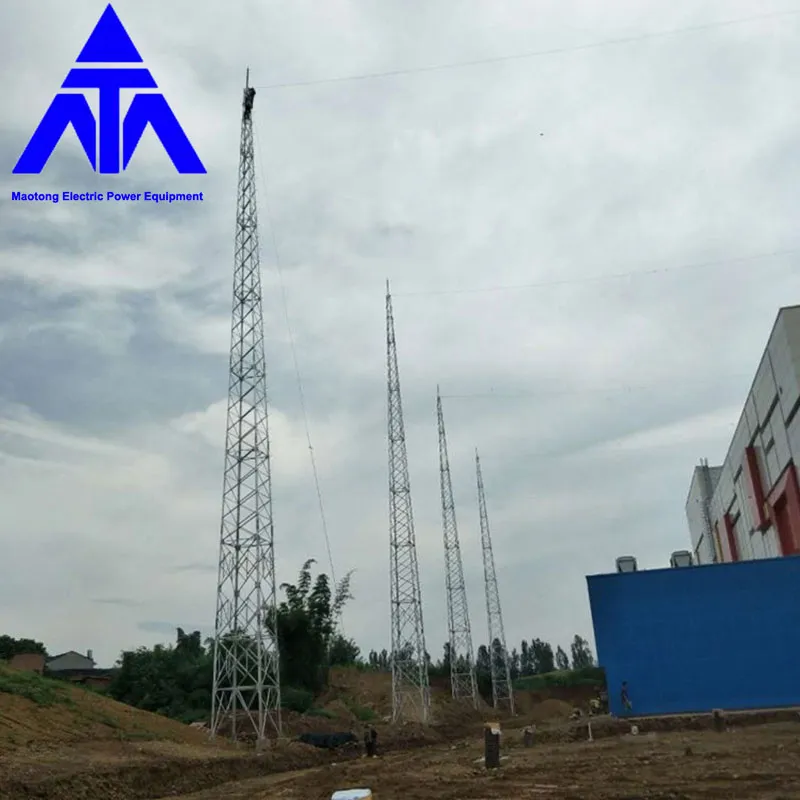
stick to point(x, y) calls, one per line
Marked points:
point(70, 661)
point(77, 668)
point(28, 662)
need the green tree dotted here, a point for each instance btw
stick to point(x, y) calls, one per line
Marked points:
point(10, 647)
point(514, 664)
point(441, 668)
point(562, 659)
point(581, 654)
point(483, 672)
point(344, 652)
point(525, 659)
point(379, 661)
point(306, 626)
point(174, 680)
point(542, 657)
point(497, 657)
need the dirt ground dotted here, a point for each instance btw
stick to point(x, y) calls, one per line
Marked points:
point(756, 762)
point(64, 743)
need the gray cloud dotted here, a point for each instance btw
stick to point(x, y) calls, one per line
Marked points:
point(603, 393)
point(117, 601)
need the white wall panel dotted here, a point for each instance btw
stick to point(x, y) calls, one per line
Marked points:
point(771, 543)
point(742, 536)
point(761, 460)
point(741, 505)
point(724, 491)
point(794, 439)
point(782, 452)
point(741, 439)
point(757, 544)
point(773, 470)
point(694, 509)
point(764, 389)
point(750, 414)
point(704, 552)
point(785, 363)
point(716, 507)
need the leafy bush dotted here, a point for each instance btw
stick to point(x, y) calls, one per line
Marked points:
point(194, 715)
point(298, 700)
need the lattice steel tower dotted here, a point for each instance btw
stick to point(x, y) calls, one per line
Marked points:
point(502, 691)
point(410, 688)
point(462, 664)
point(246, 692)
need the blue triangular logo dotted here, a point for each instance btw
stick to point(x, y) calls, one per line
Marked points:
point(109, 42)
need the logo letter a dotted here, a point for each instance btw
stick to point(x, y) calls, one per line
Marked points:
point(65, 109)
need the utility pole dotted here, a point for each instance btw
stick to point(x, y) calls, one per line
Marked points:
point(462, 665)
point(246, 688)
point(410, 687)
point(502, 690)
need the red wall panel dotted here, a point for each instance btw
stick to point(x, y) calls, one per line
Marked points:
point(730, 534)
point(783, 505)
point(755, 488)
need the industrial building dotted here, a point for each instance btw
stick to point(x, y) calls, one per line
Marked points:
point(697, 638)
point(749, 506)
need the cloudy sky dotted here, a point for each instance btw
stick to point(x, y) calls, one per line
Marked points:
point(587, 249)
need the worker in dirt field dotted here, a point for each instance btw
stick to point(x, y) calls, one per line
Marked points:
point(370, 741)
point(373, 738)
point(367, 742)
point(625, 697)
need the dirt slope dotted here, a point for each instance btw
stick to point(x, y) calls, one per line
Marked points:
point(39, 712)
point(59, 741)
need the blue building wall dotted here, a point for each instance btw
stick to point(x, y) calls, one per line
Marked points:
point(697, 638)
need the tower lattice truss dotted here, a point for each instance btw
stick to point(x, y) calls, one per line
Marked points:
point(462, 665)
point(502, 691)
point(246, 689)
point(410, 688)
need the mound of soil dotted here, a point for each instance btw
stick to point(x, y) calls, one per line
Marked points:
point(36, 712)
point(551, 710)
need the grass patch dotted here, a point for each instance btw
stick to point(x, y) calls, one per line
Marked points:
point(138, 735)
point(591, 676)
point(320, 712)
point(362, 713)
point(42, 691)
point(108, 721)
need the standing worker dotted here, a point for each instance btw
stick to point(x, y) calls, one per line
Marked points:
point(370, 741)
point(373, 738)
point(625, 697)
point(367, 742)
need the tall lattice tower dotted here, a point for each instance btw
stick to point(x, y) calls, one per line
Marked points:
point(246, 692)
point(410, 688)
point(502, 691)
point(462, 664)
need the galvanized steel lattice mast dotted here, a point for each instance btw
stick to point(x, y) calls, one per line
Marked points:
point(502, 691)
point(410, 687)
point(462, 665)
point(246, 690)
